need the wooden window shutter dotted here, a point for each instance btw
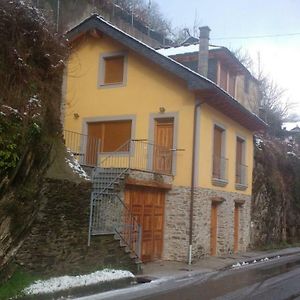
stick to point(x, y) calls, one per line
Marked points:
point(223, 77)
point(217, 154)
point(231, 90)
point(116, 134)
point(239, 159)
point(114, 69)
point(113, 134)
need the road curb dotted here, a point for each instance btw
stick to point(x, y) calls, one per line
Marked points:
point(268, 254)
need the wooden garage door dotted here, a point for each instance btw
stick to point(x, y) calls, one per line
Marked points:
point(148, 207)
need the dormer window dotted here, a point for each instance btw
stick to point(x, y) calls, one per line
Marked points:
point(113, 69)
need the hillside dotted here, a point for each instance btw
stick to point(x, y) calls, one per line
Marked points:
point(276, 193)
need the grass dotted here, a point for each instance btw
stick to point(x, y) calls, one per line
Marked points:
point(14, 286)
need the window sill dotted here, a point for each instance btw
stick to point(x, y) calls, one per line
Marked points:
point(241, 187)
point(219, 182)
point(111, 85)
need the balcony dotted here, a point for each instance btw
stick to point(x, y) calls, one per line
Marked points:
point(134, 154)
point(241, 180)
point(220, 171)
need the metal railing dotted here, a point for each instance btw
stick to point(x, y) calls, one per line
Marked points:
point(241, 174)
point(108, 213)
point(84, 148)
point(220, 168)
point(140, 155)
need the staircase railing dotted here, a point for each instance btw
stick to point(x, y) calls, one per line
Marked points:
point(108, 212)
point(84, 148)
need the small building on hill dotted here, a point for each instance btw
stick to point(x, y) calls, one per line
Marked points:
point(174, 153)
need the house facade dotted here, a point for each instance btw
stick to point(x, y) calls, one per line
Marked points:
point(184, 146)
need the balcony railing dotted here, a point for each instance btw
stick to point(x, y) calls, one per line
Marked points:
point(140, 155)
point(241, 175)
point(84, 148)
point(220, 169)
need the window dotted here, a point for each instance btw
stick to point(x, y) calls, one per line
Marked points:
point(223, 77)
point(246, 84)
point(112, 70)
point(231, 85)
point(113, 134)
point(241, 168)
point(219, 161)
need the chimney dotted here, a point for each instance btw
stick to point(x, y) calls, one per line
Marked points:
point(203, 51)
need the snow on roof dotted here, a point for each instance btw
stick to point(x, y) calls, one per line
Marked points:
point(290, 125)
point(182, 49)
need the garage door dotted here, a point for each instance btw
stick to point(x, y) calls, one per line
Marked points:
point(147, 205)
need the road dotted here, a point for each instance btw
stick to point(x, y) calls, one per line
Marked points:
point(275, 279)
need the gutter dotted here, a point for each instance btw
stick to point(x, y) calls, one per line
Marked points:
point(196, 138)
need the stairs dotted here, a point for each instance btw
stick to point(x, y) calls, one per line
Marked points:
point(109, 214)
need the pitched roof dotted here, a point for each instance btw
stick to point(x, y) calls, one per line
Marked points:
point(221, 100)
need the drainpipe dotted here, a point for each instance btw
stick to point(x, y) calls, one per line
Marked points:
point(196, 137)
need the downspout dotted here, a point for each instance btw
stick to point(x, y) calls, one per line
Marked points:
point(203, 70)
point(196, 137)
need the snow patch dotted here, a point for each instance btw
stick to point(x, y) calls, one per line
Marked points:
point(56, 284)
point(258, 142)
point(75, 166)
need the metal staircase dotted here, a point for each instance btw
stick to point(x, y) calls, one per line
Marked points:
point(108, 212)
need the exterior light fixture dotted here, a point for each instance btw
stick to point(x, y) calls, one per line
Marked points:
point(76, 116)
point(162, 110)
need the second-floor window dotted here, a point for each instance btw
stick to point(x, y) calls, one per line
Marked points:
point(219, 159)
point(113, 70)
point(240, 167)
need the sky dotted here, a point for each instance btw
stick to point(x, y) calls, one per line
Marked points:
point(279, 56)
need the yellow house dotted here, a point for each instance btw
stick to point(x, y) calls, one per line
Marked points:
point(174, 152)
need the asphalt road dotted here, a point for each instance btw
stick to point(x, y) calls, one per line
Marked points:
point(275, 279)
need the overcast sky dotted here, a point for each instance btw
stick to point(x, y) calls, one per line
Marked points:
point(280, 56)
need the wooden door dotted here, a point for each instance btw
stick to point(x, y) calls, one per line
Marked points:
point(213, 229)
point(95, 132)
point(163, 143)
point(236, 227)
point(147, 205)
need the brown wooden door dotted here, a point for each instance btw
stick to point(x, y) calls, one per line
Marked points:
point(213, 229)
point(95, 132)
point(147, 205)
point(236, 227)
point(163, 143)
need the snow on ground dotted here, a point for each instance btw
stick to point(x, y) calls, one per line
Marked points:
point(75, 166)
point(56, 284)
point(238, 264)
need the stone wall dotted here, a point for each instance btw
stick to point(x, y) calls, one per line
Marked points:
point(177, 209)
point(57, 242)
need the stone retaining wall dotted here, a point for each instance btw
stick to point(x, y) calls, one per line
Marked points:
point(57, 242)
point(177, 208)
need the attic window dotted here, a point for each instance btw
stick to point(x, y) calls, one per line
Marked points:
point(113, 69)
